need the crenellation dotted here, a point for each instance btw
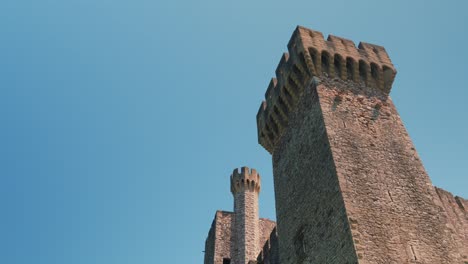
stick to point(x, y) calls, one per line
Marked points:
point(271, 86)
point(282, 67)
point(245, 187)
point(343, 144)
point(238, 237)
point(311, 55)
point(246, 179)
point(349, 184)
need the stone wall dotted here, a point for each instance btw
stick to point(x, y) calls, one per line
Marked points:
point(210, 244)
point(239, 237)
point(349, 184)
point(456, 208)
point(219, 240)
point(311, 217)
point(246, 234)
point(266, 228)
point(393, 209)
point(269, 253)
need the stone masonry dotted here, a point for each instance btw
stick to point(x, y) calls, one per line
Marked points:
point(349, 184)
point(238, 237)
point(245, 187)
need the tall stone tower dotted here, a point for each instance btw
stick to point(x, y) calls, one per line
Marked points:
point(349, 184)
point(245, 187)
point(241, 237)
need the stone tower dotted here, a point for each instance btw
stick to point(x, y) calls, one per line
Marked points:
point(241, 237)
point(349, 184)
point(245, 187)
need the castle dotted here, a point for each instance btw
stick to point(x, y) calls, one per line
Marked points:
point(349, 184)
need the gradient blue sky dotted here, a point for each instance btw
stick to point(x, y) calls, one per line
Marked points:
point(122, 120)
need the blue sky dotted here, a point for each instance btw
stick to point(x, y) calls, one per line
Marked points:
point(121, 121)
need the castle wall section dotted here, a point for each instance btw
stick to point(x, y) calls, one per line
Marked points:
point(210, 245)
point(311, 218)
point(456, 209)
point(273, 253)
point(266, 227)
point(219, 244)
point(219, 241)
point(270, 252)
point(349, 184)
point(393, 209)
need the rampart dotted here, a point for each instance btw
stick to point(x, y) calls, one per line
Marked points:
point(311, 55)
point(349, 184)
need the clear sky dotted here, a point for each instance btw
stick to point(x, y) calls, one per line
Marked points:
point(121, 121)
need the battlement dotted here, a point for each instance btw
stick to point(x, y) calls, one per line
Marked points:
point(311, 55)
point(349, 184)
point(245, 180)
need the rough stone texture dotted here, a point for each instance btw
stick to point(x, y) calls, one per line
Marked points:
point(311, 55)
point(349, 185)
point(269, 253)
point(311, 215)
point(219, 240)
point(239, 236)
point(246, 229)
point(210, 244)
point(456, 208)
point(266, 229)
point(392, 206)
point(245, 187)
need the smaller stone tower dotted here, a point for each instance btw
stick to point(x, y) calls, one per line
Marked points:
point(245, 187)
point(241, 237)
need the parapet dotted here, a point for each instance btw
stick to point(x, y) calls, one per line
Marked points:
point(311, 55)
point(245, 180)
